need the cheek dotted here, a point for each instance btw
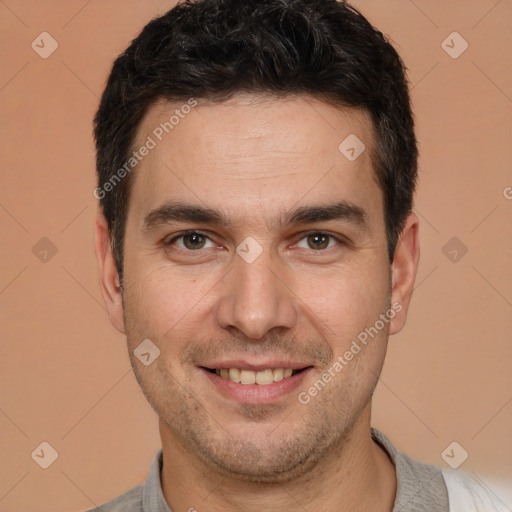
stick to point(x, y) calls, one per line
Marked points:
point(157, 309)
point(347, 302)
point(161, 303)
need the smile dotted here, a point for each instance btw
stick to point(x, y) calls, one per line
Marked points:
point(263, 378)
point(258, 385)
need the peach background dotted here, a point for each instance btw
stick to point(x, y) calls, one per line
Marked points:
point(64, 372)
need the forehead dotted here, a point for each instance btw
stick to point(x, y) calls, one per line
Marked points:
point(254, 154)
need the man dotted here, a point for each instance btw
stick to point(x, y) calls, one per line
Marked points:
point(256, 244)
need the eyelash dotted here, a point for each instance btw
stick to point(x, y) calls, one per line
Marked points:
point(195, 232)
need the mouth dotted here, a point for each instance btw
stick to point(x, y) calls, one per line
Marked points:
point(261, 377)
point(255, 384)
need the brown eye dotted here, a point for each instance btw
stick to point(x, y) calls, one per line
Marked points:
point(318, 241)
point(191, 241)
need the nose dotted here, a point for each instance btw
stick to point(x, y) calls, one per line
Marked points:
point(256, 298)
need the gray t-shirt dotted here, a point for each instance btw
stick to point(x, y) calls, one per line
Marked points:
point(420, 487)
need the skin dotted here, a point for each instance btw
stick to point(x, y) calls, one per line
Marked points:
point(254, 158)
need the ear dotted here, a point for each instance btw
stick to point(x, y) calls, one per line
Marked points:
point(403, 271)
point(109, 277)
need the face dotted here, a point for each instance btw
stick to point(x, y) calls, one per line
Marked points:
point(254, 249)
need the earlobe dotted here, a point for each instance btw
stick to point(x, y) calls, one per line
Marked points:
point(109, 277)
point(403, 270)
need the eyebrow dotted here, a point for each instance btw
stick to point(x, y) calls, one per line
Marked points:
point(178, 211)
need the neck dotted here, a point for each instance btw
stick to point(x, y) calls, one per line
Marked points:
point(355, 475)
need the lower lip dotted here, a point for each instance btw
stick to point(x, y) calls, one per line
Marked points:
point(257, 393)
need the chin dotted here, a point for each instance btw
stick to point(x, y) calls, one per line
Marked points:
point(278, 461)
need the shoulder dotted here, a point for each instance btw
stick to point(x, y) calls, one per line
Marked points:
point(142, 497)
point(420, 486)
point(467, 494)
point(130, 501)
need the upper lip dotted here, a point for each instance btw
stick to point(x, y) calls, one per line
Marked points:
point(243, 364)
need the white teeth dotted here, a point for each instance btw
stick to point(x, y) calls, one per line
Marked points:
point(234, 374)
point(247, 377)
point(265, 377)
point(278, 374)
point(262, 378)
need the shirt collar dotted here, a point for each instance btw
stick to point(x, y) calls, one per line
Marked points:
point(152, 495)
